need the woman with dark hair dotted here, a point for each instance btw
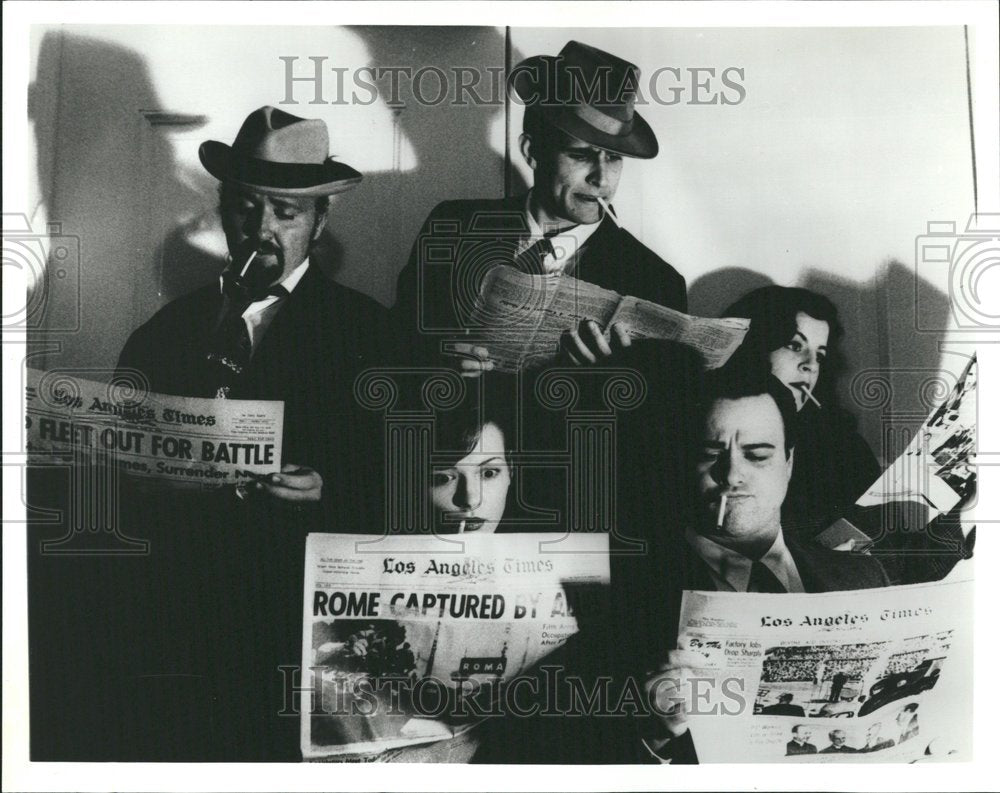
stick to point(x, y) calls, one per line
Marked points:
point(470, 467)
point(794, 334)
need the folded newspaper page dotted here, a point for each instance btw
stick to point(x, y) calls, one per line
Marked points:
point(520, 318)
point(180, 441)
point(408, 640)
point(935, 473)
point(872, 675)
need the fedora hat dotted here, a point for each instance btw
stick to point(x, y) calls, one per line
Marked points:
point(589, 94)
point(279, 154)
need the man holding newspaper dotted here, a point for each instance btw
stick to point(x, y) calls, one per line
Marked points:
point(579, 125)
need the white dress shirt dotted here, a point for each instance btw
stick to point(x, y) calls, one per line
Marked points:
point(731, 570)
point(568, 245)
point(261, 313)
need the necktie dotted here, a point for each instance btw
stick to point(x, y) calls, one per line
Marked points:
point(763, 580)
point(231, 346)
point(531, 260)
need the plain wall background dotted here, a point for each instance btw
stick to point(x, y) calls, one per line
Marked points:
point(848, 142)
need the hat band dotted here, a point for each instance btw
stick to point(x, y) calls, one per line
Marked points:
point(602, 121)
point(277, 174)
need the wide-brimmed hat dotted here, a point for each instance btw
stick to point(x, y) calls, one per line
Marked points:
point(589, 94)
point(279, 154)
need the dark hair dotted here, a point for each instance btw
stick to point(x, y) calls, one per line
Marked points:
point(772, 311)
point(488, 399)
point(458, 430)
point(737, 381)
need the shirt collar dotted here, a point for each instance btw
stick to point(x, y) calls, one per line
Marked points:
point(290, 281)
point(567, 243)
point(732, 569)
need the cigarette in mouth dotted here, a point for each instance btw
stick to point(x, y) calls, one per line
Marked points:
point(810, 397)
point(722, 510)
point(245, 266)
point(609, 211)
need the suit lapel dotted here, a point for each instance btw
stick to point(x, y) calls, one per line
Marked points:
point(599, 256)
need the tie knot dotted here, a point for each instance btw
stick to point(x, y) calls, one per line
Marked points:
point(242, 294)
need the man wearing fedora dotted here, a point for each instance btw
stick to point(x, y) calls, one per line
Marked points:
point(214, 611)
point(579, 125)
point(275, 329)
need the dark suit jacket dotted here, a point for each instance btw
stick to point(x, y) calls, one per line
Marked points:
point(461, 240)
point(845, 749)
point(792, 748)
point(630, 635)
point(185, 642)
point(319, 341)
point(782, 709)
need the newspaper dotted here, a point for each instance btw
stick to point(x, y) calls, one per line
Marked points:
point(180, 441)
point(870, 675)
point(408, 640)
point(520, 318)
point(934, 474)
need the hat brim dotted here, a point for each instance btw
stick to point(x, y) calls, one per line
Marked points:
point(277, 178)
point(640, 142)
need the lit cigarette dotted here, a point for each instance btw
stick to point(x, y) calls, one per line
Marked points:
point(461, 527)
point(609, 211)
point(245, 266)
point(809, 396)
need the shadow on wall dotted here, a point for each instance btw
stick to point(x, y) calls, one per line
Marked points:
point(893, 327)
point(109, 178)
point(450, 142)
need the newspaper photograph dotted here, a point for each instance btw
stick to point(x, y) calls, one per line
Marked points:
point(178, 441)
point(934, 475)
point(407, 639)
point(837, 674)
point(520, 318)
point(938, 468)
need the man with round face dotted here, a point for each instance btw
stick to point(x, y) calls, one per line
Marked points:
point(471, 494)
point(741, 455)
point(269, 326)
point(279, 230)
point(744, 460)
point(580, 125)
point(272, 327)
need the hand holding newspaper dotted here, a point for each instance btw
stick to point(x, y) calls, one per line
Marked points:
point(520, 318)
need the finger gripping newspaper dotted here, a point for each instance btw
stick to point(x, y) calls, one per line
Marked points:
point(408, 640)
point(877, 675)
point(520, 318)
point(178, 442)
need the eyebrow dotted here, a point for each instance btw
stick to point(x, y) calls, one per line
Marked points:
point(720, 445)
point(487, 462)
point(806, 339)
